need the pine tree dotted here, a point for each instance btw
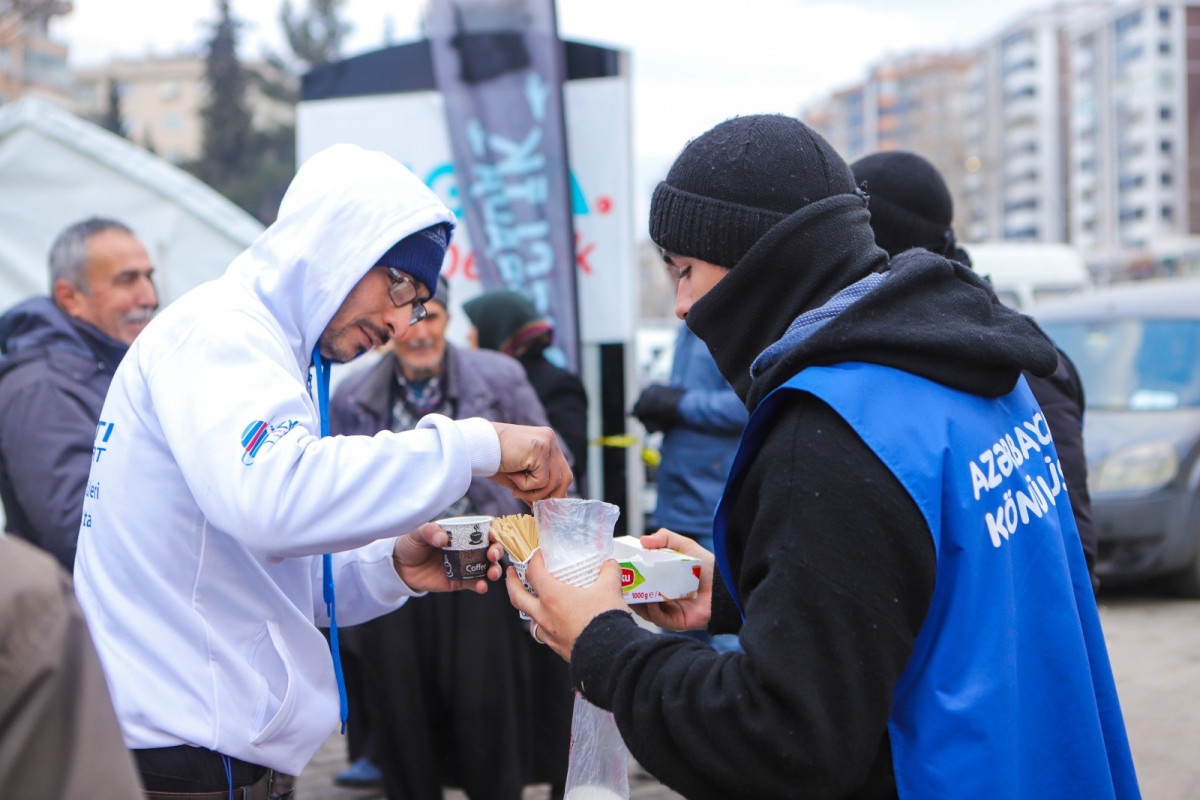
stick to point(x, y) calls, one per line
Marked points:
point(316, 36)
point(253, 167)
point(227, 131)
point(112, 119)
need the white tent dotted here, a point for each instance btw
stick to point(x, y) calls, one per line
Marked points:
point(57, 169)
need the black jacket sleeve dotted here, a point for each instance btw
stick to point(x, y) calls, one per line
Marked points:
point(725, 615)
point(1062, 401)
point(835, 568)
point(565, 401)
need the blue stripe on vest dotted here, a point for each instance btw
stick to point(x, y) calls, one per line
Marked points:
point(1009, 692)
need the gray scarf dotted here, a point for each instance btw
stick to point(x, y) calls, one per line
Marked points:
point(812, 321)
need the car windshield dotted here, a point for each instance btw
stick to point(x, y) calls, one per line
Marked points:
point(1134, 364)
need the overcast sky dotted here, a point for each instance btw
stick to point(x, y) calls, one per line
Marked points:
point(694, 62)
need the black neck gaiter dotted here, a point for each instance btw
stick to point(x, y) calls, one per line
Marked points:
point(796, 266)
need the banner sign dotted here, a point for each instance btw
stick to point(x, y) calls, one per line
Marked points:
point(498, 65)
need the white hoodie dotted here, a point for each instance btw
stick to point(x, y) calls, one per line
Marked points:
point(212, 496)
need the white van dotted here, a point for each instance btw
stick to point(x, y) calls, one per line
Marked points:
point(1025, 274)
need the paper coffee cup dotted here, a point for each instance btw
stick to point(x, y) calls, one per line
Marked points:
point(520, 567)
point(465, 556)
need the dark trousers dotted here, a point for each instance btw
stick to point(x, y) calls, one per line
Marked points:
point(192, 769)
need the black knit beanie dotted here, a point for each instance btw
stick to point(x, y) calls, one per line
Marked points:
point(909, 203)
point(500, 314)
point(732, 184)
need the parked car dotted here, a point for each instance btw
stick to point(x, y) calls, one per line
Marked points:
point(1137, 348)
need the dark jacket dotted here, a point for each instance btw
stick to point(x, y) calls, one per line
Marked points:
point(832, 558)
point(422, 679)
point(1061, 398)
point(565, 400)
point(54, 374)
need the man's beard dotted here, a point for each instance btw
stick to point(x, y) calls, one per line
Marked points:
point(420, 373)
point(329, 342)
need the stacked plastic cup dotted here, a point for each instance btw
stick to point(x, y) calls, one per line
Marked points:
point(575, 536)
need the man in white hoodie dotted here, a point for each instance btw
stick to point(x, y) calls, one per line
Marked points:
point(212, 495)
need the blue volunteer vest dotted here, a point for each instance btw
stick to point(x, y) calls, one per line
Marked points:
point(1009, 692)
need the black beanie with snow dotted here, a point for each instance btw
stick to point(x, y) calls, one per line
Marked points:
point(732, 184)
point(909, 203)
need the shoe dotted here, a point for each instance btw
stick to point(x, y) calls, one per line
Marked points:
point(361, 773)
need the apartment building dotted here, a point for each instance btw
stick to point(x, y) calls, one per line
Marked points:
point(161, 99)
point(916, 103)
point(30, 62)
point(1017, 129)
point(1134, 178)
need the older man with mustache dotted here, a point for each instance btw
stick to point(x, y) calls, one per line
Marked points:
point(59, 355)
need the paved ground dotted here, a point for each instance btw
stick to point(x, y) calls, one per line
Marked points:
point(1154, 645)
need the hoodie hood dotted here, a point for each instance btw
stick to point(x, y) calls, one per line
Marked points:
point(931, 317)
point(345, 208)
point(934, 318)
point(504, 320)
point(37, 327)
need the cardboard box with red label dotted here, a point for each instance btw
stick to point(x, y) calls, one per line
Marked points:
point(651, 576)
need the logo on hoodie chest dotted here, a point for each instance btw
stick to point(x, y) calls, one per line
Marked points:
point(259, 435)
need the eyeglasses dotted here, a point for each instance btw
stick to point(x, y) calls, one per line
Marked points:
point(403, 292)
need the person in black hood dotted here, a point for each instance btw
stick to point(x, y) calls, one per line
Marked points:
point(57, 357)
point(890, 545)
point(911, 206)
point(507, 321)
